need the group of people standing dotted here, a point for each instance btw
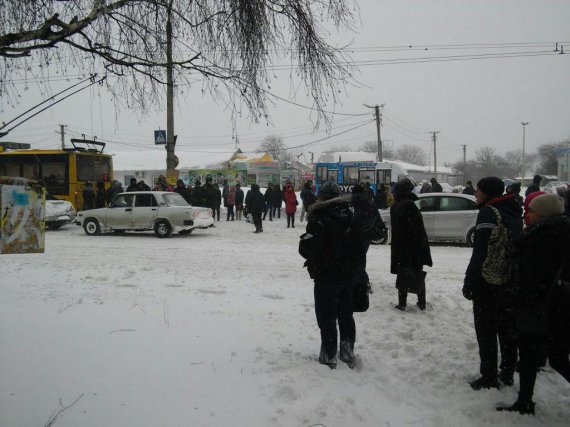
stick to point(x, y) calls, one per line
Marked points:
point(518, 278)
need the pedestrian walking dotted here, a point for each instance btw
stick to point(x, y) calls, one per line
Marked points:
point(269, 201)
point(409, 248)
point(254, 205)
point(277, 201)
point(487, 282)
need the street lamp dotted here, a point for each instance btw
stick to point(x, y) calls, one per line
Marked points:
point(523, 159)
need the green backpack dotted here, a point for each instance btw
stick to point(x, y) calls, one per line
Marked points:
point(497, 265)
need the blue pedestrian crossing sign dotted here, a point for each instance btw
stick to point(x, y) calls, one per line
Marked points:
point(159, 137)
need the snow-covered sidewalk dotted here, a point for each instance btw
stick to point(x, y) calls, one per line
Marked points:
point(218, 329)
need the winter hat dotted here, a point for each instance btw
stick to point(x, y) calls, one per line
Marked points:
point(530, 197)
point(404, 186)
point(516, 187)
point(547, 205)
point(491, 186)
point(329, 190)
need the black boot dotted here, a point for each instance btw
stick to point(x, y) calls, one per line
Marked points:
point(347, 353)
point(520, 406)
point(325, 360)
point(507, 378)
point(484, 382)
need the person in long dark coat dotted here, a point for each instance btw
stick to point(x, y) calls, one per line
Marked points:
point(492, 303)
point(435, 186)
point(269, 197)
point(197, 196)
point(542, 294)
point(277, 201)
point(410, 247)
point(255, 204)
point(535, 186)
point(101, 195)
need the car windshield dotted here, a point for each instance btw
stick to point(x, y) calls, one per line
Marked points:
point(174, 199)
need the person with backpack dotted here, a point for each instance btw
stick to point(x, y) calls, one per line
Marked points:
point(410, 247)
point(487, 281)
point(541, 257)
point(327, 248)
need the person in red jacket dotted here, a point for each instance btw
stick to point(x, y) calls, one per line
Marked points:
point(290, 205)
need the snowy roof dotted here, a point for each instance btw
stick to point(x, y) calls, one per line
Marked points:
point(156, 159)
point(361, 156)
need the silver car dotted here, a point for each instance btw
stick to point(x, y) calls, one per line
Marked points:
point(58, 212)
point(447, 216)
point(161, 211)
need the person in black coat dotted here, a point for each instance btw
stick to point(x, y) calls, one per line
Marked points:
point(277, 201)
point(535, 186)
point(492, 303)
point(327, 247)
point(469, 189)
point(409, 248)
point(435, 186)
point(239, 201)
point(132, 185)
point(88, 197)
point(100, 196)
point(269, 198)
point(542, 294)
point(380, 198)
point(183, 191)
point(197, 195)
point(255, 204)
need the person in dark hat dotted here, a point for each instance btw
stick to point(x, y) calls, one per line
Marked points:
point(535, 186)
point(492, 304)
point(183, 191)
point(88, 196)
point(542, 295)
point(327, 247)
point(469, 188)
point(254, 205)
point(132, 185)
point(409, 247)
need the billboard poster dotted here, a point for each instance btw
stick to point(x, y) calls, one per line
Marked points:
point(233, 176)
point(22, 228)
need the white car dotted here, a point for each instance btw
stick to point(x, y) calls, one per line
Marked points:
point(161, 211)
point(552, 186)
point(58, 212)
point(447, 216)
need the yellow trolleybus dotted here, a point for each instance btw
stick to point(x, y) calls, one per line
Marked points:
point(63, 172)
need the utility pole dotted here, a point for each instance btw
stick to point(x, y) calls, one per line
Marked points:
point(523, 153)
point(378, 116)
point(170, 141)
point(62, 132)
point(434, 139)
point(464, 160)
point(312, 154)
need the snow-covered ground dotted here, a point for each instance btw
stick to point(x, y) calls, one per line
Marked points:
point(218, 329)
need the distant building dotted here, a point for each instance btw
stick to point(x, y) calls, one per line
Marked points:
point(417, 172)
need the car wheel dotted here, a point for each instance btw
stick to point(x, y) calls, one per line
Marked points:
point(162, 229)
point(470, 239)
point(383, 240)
point(91, 227)
point(184, 232)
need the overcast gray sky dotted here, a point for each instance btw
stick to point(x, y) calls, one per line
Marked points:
point(476, 102)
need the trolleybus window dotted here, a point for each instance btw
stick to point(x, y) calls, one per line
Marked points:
point(92, 168)
point(333, 175)
point(367, 175)
point(350, 175)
